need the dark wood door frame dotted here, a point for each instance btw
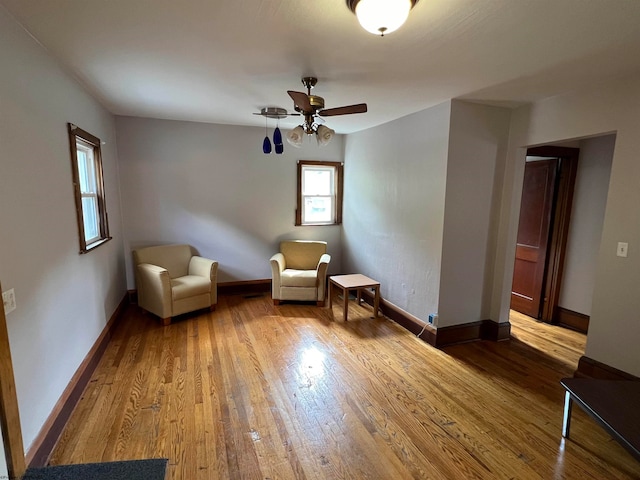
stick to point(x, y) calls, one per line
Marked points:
point(9, 416)
point(561, 217)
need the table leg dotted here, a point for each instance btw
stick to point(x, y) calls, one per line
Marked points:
point(345, 294)
point(566, 421)
point(376, 301)
point(359, 295)
point(330, 293)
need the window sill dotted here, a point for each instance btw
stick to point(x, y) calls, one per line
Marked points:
point(316, 224)
point(94, 245)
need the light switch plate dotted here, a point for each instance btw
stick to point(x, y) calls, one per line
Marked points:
point(9, 301)
point(623, 248)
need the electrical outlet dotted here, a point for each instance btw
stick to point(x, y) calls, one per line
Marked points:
point(9, 301)
point(433, 319)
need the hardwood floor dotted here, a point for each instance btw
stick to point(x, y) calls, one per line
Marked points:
point(261, 392)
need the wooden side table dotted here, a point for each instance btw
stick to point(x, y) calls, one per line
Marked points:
point(353, 282)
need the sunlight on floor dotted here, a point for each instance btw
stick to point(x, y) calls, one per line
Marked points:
point(558, 342)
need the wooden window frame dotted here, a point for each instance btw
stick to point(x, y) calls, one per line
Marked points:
point(338, 185)
point(76, 133)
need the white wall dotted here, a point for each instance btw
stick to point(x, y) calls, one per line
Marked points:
point(212, 187)
point(422, 198)
point(475, 167)
point(585, 227)
point(614, 329)
point(3, 461)
point(64, 299)
point(394, 207)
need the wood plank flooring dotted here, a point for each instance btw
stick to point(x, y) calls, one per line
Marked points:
point(254, 391)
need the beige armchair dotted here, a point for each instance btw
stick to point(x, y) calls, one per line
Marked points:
point(299, 271)
point(173, 279)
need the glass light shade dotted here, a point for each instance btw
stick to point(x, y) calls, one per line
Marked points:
point(294, 137)
point(266, 145)
point(277, 136)
point(324, 135)
point(279, 148)
point(382, 16)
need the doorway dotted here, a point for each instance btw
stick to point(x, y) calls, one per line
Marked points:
point(577, 265)
point(543, 229)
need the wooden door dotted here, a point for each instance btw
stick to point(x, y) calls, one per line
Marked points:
point(536, 209)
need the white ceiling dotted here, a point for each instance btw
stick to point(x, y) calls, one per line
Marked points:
point(219, 61)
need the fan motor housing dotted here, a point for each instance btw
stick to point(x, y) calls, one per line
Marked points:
point(316, 102)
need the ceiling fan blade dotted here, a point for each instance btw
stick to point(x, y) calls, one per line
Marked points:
point(301, 100)
point(348, 110)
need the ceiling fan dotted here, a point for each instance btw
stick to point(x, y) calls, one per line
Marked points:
point(312, 108)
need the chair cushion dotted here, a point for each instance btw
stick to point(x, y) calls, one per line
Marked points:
point(302, 254)
point(189, 286)
point(298, 278)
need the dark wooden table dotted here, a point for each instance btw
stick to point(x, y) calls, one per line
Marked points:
point(614, 404)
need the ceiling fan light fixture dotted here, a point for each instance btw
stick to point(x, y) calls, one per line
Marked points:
point(381, 17)
point(294, 137)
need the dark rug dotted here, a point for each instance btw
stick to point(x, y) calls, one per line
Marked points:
point(152, 469)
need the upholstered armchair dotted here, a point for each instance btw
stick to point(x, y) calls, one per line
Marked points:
point(173, 279)
point(299, 271)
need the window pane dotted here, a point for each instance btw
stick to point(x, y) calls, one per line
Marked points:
point(317, 182)
point(82, 171)
point(318, 210)
point(86, 168)
point(90, 218)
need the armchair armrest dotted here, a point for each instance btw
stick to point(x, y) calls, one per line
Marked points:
point(154, 289)
point(323, 264)
point(321, 274)
point(203, 267)
point(278, 264)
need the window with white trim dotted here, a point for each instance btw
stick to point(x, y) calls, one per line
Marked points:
point(319, 193)
point(86, 161)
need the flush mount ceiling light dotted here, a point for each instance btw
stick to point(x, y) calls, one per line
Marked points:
point(381, 16)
